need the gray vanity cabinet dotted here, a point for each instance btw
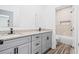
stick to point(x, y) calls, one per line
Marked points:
point(24, 49)
point(33, 44)
point(36, 44)
point(16, 46)
point(7, 51)
point(46, 41)
point(43, 43)
point(49, 40)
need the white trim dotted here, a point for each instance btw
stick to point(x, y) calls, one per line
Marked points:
point(63, 7)
point(76, 18)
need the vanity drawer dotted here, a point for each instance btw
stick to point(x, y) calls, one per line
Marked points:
point(14, 42)
point(36, 44)
point(37, 51)
point(36, 37)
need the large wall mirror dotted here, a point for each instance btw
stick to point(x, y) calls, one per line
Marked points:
point(6, 18)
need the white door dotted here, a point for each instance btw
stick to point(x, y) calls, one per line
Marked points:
point(49, 40)
point(65, 25)
point(43, 43)
point(24, 49)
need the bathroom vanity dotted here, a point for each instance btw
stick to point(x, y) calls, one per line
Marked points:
point(36, 42)
point(26, 42)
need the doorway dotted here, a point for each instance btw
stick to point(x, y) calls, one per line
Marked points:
point(64, 24)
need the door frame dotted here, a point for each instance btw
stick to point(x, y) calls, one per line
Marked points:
point(75, 25)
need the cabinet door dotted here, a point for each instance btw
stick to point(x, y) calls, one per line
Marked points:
point(36, 44)
point(8, 51)
point(49, 40)
point(46, 41)
point(14, 42)
point(24, 49)
point(43, 44)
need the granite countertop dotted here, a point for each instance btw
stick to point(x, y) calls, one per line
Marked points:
point(20, 34)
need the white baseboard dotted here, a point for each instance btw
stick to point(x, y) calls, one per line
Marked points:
point(64, 39)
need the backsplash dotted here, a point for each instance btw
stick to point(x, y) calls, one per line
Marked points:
point(19, 29)
point(4, 29)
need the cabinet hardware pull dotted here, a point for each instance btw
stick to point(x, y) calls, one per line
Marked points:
point(37, 37)
point(47, 38)
point(1, 42)
point(71, 30)
point(36, 52)
point(15, 50)
point(37, 44)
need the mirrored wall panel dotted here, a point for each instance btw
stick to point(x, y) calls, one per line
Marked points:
point(4, 21)
point(6, 18)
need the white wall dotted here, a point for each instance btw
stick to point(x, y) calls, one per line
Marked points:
point(47, 20)
point(47, 16)
point(24, 15)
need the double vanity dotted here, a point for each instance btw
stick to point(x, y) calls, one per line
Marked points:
point(34, 42)
point(22, 42)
